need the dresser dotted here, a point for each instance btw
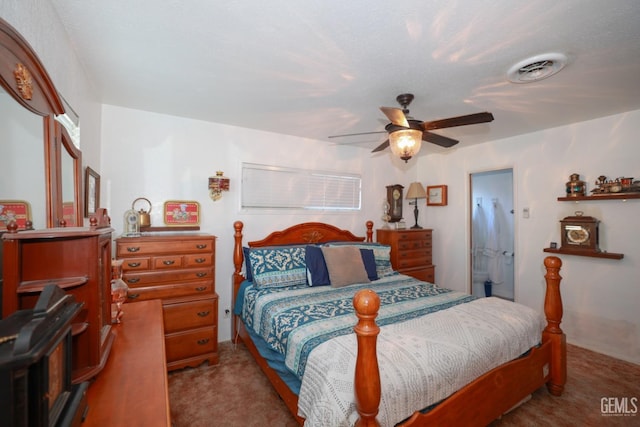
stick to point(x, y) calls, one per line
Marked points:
point(78, 260)
point(133, 388)
point(411, 251)
point(178, 269)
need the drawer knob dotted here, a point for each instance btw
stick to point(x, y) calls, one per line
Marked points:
point(133, 280)
point(133, 248)
point(203, 341)
point(133, 264)
point(169, 262)
point(200, 260)
point(201, 274)
point(201, 288)
point(133, 296)
point(202, 246)
point(203, 313)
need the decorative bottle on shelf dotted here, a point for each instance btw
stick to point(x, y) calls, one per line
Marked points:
point(119, 291)
point(575, 186)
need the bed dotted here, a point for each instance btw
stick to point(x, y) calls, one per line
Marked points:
point(378, 390)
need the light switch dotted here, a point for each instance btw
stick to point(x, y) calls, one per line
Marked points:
point(525, 212)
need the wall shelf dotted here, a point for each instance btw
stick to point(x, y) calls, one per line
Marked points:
point(609, 255)
point(616, 196)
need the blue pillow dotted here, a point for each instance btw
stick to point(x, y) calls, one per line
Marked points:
point(369, 261)
point(277, 267)
point(247, 264)
point(317, 273)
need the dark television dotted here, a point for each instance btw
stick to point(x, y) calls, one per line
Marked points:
point(35, 364)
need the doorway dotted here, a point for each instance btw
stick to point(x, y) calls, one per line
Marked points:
point(492, 234)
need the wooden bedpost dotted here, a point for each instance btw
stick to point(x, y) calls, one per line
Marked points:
point(238, 257)
point(369, 231)
point(367, 375)
point(552, 332)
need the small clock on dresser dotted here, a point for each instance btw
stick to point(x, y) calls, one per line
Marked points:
point(580, 232)
point(394, 198)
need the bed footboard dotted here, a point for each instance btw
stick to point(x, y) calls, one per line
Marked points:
point(472, 405)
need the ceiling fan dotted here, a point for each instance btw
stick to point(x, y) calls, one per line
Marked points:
point(406, 133)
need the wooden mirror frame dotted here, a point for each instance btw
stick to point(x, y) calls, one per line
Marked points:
point(24, 77)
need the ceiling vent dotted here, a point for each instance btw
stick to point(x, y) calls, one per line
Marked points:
point(537, 68)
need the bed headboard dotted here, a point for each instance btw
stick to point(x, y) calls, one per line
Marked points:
point(306, 232)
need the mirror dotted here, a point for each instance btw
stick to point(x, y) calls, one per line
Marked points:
point(70, 178)
point(40, 164)
point(22, 163)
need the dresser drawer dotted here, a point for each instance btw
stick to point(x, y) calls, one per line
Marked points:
point(181, 345)
point(424, 274)
point(190, 315)
point(159, 247)
point(169, 261)
point(170, 290)
point(414, 261)
point(198, 260)
point(145, 278)
point(413, 244)
point(414, 235)
point(133, 264)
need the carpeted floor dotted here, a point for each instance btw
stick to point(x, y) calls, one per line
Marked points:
point(236, 393)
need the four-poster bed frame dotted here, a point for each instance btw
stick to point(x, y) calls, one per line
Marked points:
point(478, 403)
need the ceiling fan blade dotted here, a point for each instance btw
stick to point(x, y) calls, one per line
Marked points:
point(470, 119)
point(440, 140)
point(381, 146)
point(396, 116)
point(356, 134)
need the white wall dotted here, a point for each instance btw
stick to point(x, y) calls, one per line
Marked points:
point(164, 158)
point(600, 296)
point(38, 23)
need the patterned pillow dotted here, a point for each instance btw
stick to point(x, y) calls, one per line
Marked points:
point(276, 267)
point(381, 253)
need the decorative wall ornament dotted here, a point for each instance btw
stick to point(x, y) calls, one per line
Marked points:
point(218, 184)
point(23, 81)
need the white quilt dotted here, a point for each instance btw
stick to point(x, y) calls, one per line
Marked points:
point(421, 361)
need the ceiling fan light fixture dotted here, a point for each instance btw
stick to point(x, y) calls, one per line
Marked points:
point(537, 68)
point(405, 143)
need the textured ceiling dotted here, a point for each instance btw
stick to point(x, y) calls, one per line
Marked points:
point(314, 68)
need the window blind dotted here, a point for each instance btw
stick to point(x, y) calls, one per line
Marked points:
point(274, 187)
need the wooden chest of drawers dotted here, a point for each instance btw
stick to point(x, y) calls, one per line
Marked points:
point(411, 252)
point(178, 269)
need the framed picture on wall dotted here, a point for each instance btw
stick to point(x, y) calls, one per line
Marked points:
point(437, 195)
point(91, 192)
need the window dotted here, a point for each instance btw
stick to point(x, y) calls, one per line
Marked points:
point(273, 187)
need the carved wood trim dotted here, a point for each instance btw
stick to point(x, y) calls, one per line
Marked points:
point(24, 82)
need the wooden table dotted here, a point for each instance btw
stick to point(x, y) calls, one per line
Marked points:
point(132, 389)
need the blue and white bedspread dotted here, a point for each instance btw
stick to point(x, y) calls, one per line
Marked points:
point(295, 320)
point(422, 361)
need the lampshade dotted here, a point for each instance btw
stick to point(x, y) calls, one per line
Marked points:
point(416, 191)
point(405, 143)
